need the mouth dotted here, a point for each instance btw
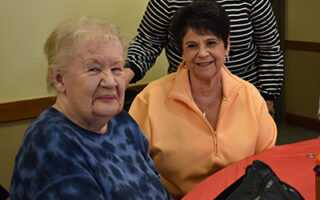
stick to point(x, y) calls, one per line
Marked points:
point(109, 97)
point(204, 64)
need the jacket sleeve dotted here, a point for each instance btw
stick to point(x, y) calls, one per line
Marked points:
point(139, 112)
point(150, 40)
point(267, 132)
point(270, 57)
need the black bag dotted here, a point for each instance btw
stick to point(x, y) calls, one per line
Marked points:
point(259, 183)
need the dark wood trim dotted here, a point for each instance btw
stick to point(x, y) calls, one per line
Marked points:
point(24, 109)
point(138, 87)
point(302, 46)
point(31, 108)
point(304, 122)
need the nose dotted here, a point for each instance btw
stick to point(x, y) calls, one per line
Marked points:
point(108, 80)
point(203, 52)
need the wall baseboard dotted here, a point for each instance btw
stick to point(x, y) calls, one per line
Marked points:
point(304, 122)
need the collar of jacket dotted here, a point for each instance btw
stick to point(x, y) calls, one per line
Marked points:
point(181, 89)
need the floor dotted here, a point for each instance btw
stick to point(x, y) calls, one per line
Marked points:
point(289, 134)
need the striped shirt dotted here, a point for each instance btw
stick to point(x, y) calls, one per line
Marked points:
point(255, 53)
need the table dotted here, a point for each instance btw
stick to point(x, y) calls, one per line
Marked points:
point(292, 163)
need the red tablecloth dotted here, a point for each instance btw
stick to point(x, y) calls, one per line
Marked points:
point(290, 162)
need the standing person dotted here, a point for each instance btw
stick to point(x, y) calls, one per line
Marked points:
point(85, 146)
point(201, 118)
point(255, 53)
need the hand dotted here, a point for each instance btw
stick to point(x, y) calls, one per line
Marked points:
point(128, 76)
point(270, 107)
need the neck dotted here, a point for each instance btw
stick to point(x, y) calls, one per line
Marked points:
point(207, 94)
point(204, 88)
point(92, 123)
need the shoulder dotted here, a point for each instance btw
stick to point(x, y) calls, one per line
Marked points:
point(249, 88)
point(125, 129)
point(240, 87)
point(46, 155)
point(159, 87)
point(44, 127)
point(51, 139)
point(123, 123)
point(49, 128)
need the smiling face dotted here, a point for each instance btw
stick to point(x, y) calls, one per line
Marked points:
point(203, 54)
point(91, 84)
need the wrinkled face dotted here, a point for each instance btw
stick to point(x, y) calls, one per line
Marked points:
point(93, 80)
point(203, 54)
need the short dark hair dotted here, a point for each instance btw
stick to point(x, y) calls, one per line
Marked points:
point(203, 16)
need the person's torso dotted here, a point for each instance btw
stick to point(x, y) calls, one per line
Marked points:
point(115, 160)
point(184, 146)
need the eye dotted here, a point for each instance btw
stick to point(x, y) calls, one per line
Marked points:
point(94, 68)
point(191, 46)
point(212, 43)
point(117, 69)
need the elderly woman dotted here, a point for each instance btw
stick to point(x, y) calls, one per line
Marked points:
point(201, 118)
point(85, 146)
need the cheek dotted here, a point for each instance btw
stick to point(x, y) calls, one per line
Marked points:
point(86, 89)
point(120, 86)
point(220, 56)
point(188, 56)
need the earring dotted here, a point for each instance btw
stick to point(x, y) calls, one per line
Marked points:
point(227, 59)
point(184, 65)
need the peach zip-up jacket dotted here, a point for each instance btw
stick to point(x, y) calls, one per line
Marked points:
point(184, 146)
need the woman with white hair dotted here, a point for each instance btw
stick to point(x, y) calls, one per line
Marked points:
point(85, 146)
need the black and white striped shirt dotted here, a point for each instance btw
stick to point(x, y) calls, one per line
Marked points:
point(255, 53)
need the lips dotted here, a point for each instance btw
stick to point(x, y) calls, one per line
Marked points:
point(204, 64)
point(106, 97)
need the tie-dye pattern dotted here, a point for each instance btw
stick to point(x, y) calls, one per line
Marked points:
point(60, 160)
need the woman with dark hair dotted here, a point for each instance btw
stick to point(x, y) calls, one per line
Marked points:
point(255, 53)
point(201, 118)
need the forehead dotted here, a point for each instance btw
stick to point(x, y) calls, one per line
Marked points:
point(193, 33)
point(98, 48)
point(97, 43)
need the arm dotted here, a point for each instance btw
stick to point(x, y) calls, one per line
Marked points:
point(270, 58)
point(319, 109)
point(139, 112)
point(267, 133)
point(150, 40)
point(270, 107)
point(128, 76)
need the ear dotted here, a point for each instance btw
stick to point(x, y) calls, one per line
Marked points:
point(56, 76)
point(228, 46)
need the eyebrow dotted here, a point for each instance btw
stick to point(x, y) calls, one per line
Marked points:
point(187, 42)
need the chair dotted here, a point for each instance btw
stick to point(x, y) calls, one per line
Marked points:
point(4, 194)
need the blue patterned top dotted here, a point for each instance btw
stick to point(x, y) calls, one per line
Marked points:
point(60, 160)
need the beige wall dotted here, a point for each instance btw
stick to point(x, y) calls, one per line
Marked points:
point(302, 20)
point(302, 67)
point(25, 25)
point(11, 134)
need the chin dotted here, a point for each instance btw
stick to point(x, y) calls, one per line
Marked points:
point(107, 111)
